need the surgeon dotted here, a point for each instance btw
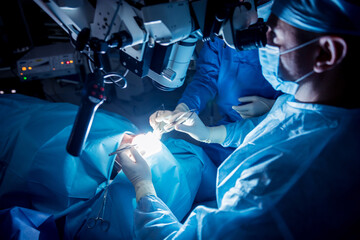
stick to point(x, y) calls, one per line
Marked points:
point(296, 175)
point(233, 78)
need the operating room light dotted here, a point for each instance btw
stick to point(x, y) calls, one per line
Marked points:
point(147, 144)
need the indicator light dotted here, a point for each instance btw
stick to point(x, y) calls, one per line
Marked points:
point(30, 68)
point(25, 78)
point(23, 68)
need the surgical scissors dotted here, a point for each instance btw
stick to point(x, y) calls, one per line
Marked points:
point(104, 224)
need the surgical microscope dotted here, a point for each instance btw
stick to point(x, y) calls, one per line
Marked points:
point(154, 38)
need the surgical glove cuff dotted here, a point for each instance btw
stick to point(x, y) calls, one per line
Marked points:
point(216, 134)
point(267, 102)
point(144, 188)
point(182, 107)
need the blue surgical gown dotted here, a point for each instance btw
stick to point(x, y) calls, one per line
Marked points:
point(224, 74)
point(295, 175)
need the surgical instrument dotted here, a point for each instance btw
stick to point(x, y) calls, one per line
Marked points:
point(104, 224)
point(179, 120)
point(122, 148)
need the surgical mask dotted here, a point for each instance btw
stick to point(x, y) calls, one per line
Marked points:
point(269, 59)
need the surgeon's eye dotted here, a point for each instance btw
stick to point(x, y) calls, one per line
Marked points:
point(271, 36)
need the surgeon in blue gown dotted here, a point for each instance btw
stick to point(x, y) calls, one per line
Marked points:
point(296, 173)
point(231, 78)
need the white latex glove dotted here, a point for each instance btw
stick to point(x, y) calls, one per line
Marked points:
point(137, 171)
point(197, 129)
point(254, 106)
point(156, 119)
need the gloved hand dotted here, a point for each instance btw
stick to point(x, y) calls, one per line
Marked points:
point(137, 171)
point(254, 106)
point(193, 126)
point(156, 119)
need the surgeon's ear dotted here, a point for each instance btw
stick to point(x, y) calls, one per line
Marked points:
point(333, 50)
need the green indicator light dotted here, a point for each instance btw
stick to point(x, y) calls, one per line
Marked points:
point(25, 78)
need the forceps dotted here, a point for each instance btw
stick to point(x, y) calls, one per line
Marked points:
point(104, 224)
point(122, 148)
point(179, 120)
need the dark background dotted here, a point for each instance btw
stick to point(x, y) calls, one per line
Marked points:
point(23, 25)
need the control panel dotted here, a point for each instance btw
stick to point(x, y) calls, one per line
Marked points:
point(48, 61)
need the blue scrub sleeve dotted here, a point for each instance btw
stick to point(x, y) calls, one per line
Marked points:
point(150, 210)
point(154, 220)
point(237, 131)
point(203, 87)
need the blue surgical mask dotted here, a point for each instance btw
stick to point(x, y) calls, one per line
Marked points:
point(269, 60)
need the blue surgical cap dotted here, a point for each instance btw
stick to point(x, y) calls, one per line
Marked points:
point(320, 16)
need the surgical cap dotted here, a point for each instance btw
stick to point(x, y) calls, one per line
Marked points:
point(320, 16)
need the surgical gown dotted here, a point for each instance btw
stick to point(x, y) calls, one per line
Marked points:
point(225, 75)
point(295, 175)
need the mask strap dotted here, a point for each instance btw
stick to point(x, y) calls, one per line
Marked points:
point(300, 46)
point(305, 76)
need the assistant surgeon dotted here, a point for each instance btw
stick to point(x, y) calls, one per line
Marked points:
point(233, 78)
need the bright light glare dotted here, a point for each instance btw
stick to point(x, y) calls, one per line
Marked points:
point(147, 144)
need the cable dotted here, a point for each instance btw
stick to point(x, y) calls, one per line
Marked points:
point(89, 58)
point(112, 20)
point(116, 82)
